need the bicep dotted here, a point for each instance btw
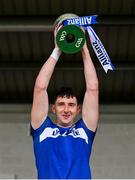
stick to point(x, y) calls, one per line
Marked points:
point(90, 109)
point(39, 108)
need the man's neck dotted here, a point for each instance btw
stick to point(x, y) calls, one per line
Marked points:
point(63, 125)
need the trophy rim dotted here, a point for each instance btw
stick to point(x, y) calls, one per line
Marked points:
point(63, 17)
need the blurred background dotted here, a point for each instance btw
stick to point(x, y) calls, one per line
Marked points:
point(26, 41)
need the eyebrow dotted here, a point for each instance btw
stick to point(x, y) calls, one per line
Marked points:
point(60, 102)
point(71, 103)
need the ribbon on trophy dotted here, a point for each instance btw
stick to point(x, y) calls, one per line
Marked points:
point(85, 22)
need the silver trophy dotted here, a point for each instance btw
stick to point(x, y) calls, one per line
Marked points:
point(70, 38)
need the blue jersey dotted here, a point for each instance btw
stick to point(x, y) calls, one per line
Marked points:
point(62, 153)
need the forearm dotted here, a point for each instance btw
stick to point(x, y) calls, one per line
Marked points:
point(89, 70)
point(46, 71)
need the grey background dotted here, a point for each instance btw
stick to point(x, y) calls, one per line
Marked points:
point(113, 149)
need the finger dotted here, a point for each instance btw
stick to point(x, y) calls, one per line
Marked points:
point(57, 28)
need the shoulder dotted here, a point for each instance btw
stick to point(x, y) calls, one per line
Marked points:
point(47, 122)
point(81, 124)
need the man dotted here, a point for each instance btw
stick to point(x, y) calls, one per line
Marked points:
point(62, 148)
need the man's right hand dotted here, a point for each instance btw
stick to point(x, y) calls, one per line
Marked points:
point(56, 29)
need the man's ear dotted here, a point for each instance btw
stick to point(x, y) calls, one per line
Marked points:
point(53, 108)
point(78, 109)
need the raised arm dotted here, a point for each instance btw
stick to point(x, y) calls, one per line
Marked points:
point(40, 98)
point(90, 107)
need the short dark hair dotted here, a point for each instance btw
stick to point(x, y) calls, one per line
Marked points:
point(65, 91)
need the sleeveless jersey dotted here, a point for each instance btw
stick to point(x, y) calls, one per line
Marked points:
point(62, 153)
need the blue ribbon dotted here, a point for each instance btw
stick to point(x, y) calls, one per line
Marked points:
point(81, 21)
point(85, 22)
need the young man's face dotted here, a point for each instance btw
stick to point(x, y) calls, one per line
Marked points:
point(66, 110)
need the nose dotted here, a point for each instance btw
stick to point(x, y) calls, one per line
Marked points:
point(66, 109)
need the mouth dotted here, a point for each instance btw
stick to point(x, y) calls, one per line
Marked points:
point(66, 116)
